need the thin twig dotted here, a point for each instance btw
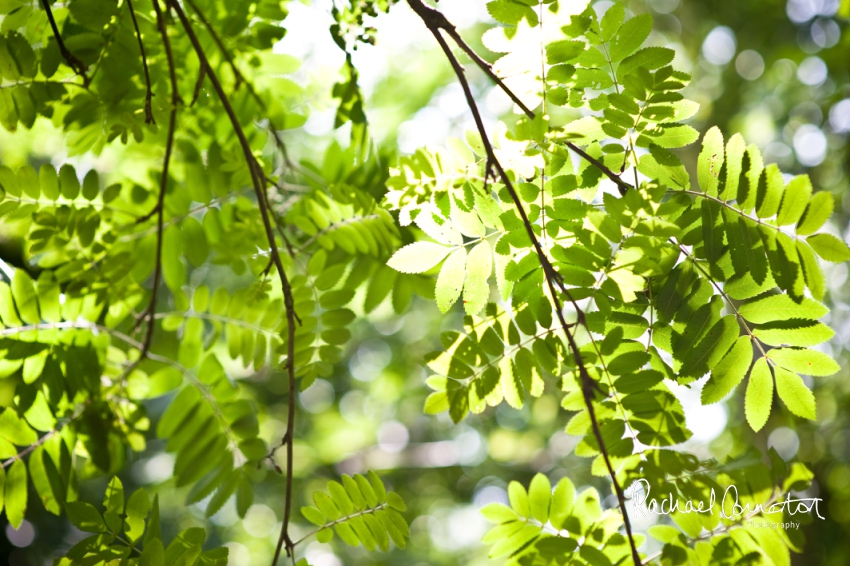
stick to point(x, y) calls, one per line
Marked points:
point(239, 79)
point(20, 455)
point(73, 61)
point(289, 303)
point(150, 311)
point(435, 21)
point(148, 92)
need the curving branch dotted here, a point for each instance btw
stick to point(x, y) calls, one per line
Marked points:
point(158, 209)
point(73, 61)
point(148, 92)
point(239, 79)
point(257, 179)
point(435, 21)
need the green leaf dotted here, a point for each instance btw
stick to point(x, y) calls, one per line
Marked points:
point(25, 296)
point(794, 201)
point(829, 247)
point(731, 370)
point(711, 348)
point(15, 493)
point(114, 505)
point(735, 149)
point(153, 532)
point(794, 393)
point(563, 51)
point(395, 501)
point(710, 161)
point(451, 279)
point(631, 36)
point(41, 480)
point(771, 188)
point(539, 493)
point(817, 213)
point(811, 270)
point(153, 554)
point(671, 137)
point(511, 12)
point(781, 307)
point(91, 185)
point(137, 511)
point(69, 184)
point(759, 396)
point(48, 181)
point(649, 58)
point(498, 513)
point(794, 333)
point(562, 502)
point(612, 21)
point(15, 429)
point(173, 269)
point(804, 361)
point(476, 290)
point(712, 232)
point(85, 517)
point(511, 386)
point(436, 403)
point(418, 257)
point(628, 362)
point(518, 498)
point(313, 515)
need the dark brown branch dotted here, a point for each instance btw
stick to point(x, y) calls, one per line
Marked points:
point(148, 92)
point(589, 386)
point(202, 73)
point(276, 217)
point(73, 61)
point(158, 209)
point(257, 176)
point(435, 20)
point(239, 78)
point(622, 186)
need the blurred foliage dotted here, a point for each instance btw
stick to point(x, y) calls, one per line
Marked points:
point(776, 72)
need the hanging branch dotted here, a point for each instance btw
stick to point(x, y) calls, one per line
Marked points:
point(435, 20)
point(73, 61)
point(148, 92)
point(238, 77)
point(257, 177)
point(589, 386)
point(158, 209)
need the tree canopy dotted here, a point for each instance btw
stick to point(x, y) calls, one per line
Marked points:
point(232, 335)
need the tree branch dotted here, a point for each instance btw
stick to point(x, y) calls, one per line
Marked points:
point(589, 386)
point(150, 312)
point(20, 455)
point(239, 78)
point(73, 61)
point(289, 303)
point(435, 20)
point(148, 92)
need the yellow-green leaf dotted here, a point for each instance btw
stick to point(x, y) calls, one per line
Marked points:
point(759, 396)
point(794, 393)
